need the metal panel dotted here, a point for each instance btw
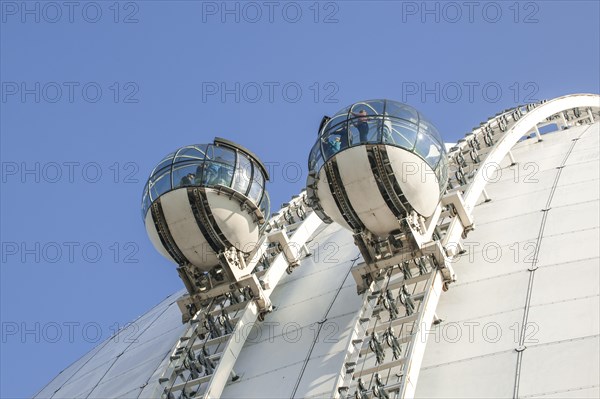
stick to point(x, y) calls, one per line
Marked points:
point(236, 224)
point(358, 179)
point(416, 179)
point(559, 281)
point(567, 218)
point(327, 201)
point(460, 339)
point(154, 238)
point(571, 193)
point(488, 376)
point(184, 229)
point(320, 375)
point(558, 248)
point(272, 365)
point(561, 367)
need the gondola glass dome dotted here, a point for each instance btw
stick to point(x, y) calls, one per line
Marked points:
point(223, 163)
point(381, 122)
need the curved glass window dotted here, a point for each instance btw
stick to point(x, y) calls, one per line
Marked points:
point(343, 112)
point(365, 129)
point(257, 187)
point(315, 159)
point(146, 202)
point(218, 167)
point(441, 172)
point(428, 149)
point(265, 206)
point(190, 153)
point(185, 174)
point(243, 174)
point(400, 132)
point(208, 165)
point(334, 123)
point(160, 184)
point(166, 162)
point(398, 110)
point(373, 107)
point(430, 130)
point(335, 139)
point(380, 122)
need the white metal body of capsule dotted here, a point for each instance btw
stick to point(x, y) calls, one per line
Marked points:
point(239, 227)
point(416, 179)
point(375, 163)
point(192, 221)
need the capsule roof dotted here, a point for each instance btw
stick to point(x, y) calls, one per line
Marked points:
point(223, 163)
point(378, 122)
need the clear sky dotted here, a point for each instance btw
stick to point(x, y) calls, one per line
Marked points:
point(95, 93)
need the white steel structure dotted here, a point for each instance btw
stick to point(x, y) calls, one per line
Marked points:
point(497, 297)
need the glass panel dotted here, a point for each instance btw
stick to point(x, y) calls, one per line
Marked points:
point(202, 149)
point(365, 130)
point(243, 174)
point(399, 110)
point(265, 206)
point(217, 173)
point(220, 169)
point(429, 129)
point(186, 174)
point(258, 182)
point(342, 112)
point(223, 155)
point(258, 174)
point(442, 172)
point(428, 148)
point(209, 174)
point(193, 152)
point(209, 151)
point(167, 161)
point(373, 107)
point(315, 160)
point(145, 202)
point(255, 191)
point(198, 173)
point(334, 123)
point(335, 140)
point(400, 132)
point(160, 185)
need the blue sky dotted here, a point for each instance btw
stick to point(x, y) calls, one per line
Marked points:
point(94, 95)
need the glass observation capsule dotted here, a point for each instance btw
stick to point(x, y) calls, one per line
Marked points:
point(204, 199)
point(374, 163)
